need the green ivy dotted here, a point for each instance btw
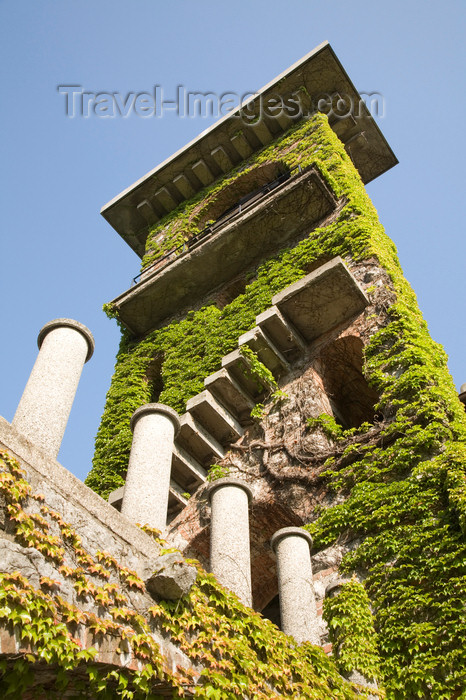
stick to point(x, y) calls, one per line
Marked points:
point(239, 653)
point(192, 348)
point(351, 631)
point(402, 495)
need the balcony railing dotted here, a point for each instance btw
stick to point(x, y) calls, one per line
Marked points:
point(239, 208)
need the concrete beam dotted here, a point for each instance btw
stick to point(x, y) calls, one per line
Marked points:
point(267, 353)
point(240, 369)
point(186, 470)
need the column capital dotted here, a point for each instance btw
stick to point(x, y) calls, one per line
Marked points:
point(68, 323)
point(229, 481)
point(290, 532)
point(156, 408)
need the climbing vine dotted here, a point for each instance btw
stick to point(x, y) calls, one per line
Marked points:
point(192, 348)
point(401, 486)
point(233, 651)
point(351, 631)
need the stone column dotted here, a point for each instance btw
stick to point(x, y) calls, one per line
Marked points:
point(230, 556)
point(44, 408)
point(145, 498)
point(298, 612)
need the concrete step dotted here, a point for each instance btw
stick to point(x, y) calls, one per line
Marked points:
point(322, 300)
point(197, 442)
point(230, 393)
point(266, 351)
point(176, 500)
point(176, 494)
point(214, 417)
point(115, 498)
point(186, 470)
point(239, 367)
point(282, 333)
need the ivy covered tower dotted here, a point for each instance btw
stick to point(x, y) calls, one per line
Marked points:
point(272, 316)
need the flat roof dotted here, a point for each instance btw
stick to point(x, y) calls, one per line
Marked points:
point(232, 139)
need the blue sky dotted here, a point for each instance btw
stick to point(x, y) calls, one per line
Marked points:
point(58, 255)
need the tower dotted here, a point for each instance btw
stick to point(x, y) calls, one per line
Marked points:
point(272, 315)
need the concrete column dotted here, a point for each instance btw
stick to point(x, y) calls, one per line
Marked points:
point(230, 556)
point(44, 408)
point(145, 498)
point(298, 612)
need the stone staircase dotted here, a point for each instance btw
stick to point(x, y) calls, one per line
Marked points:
point(219, 415)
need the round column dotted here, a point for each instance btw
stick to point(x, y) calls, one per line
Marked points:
point(145, 498)
point(230, 556)
point(298, 612)
point(42, 414)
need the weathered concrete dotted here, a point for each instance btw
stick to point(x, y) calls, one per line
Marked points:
point(230, 394)
point(322, 300)
point(196, 441)
point(43, 411)
point(258, 341)
point(172, 578)
point(305, 199)
point(319, 73)
point(145, 498)
point(230, 558)
point(214, 417)
point(297, 601)
point(240, 369)
point(186, 470)
point(282, 333)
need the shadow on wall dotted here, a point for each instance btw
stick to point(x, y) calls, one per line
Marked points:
point(341, 369)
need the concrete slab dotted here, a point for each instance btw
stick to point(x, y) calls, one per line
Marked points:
point(304, 200)
point(196, 441)
point(240, 369)
point(282, 333)
point(186, 470)
point(214, 418)
point(230, 393)
point(265, 350)
point(322, 300)
point(319, 73)
point(115, 498)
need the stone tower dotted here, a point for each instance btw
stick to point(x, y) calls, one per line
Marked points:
point(272, 347)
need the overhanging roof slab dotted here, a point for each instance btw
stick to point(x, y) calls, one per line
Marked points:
point(216, 150)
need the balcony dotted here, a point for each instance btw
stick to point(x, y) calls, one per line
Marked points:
point(235, 244)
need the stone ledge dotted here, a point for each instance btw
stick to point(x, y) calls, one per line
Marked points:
point(72, 489)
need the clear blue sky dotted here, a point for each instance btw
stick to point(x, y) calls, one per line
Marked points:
point(60, 258)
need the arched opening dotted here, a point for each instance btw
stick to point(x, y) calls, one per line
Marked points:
point(242, 192)
point(351, 398)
